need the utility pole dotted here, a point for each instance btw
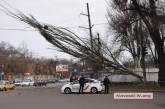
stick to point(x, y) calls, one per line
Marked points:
point(99, 43)
point(90, 31)
point(90, 26)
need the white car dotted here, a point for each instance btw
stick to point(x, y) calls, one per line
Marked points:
point(66, 80)
point(18, 83)
point(91, 86)
point(27, 83)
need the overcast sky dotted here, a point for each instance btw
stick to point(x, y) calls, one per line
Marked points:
point(65, 13)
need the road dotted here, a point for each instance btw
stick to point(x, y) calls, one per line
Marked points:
point(51, 98)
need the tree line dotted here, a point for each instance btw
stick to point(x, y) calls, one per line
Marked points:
point(20, 61)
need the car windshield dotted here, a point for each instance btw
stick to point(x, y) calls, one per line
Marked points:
point(87, 80)
point(75, 82)
point(27, 81)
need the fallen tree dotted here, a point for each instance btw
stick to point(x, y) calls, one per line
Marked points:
point(66, 41)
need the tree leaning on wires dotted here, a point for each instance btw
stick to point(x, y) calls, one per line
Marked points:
point(66, 41)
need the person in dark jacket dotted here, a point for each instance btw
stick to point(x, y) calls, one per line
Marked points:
point(71, 79)
point(82, 83)
point(106, 83)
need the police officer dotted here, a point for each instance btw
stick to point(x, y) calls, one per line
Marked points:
point(106, 83)
point(81, 82)
point(71, 78)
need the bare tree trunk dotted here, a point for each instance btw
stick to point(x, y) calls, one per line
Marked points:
point(161, 74)
point(159, 45)
point(161, 65)
point(144, 69)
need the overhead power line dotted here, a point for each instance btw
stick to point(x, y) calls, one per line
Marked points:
point(100, 24)
point(25, 29)
point(16, 29)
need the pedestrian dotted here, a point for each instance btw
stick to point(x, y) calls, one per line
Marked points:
point(71, 79)
point(82, 83)
point(106, 83)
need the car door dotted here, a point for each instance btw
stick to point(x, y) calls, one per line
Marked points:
point(87, 85)
point(75, 86)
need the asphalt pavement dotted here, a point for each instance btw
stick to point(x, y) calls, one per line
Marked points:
point(51, 98)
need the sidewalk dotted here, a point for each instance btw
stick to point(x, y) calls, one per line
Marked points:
point(135, 90)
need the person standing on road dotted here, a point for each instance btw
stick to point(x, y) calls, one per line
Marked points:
point(71, 79)
point(106, 83)
point(81, 82)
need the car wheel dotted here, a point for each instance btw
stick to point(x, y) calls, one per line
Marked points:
point(5, 89)
point(94, 90)
point(67, 90)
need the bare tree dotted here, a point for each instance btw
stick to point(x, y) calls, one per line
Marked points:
point(129, 33)
point(151, 13)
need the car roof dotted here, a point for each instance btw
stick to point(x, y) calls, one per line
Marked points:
point(92, 79)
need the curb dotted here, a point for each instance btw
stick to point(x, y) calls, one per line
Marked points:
point(160, 91)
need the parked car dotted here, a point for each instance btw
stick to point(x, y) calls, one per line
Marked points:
point(6, 85)
point(27, 83)
point(51, 81)
point(18, 83)
point(40, 83)
point(9, 85)
point(91, 86)
point(2, 87)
